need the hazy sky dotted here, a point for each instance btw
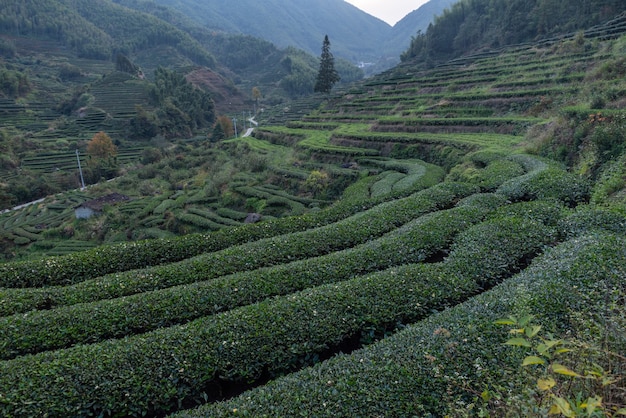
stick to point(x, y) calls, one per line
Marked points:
point(388, 10)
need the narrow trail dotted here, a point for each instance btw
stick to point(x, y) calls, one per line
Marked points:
point(251, 129)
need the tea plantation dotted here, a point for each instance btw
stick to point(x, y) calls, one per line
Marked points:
point(480, 190)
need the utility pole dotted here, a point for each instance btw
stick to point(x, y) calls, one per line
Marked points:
point(80, 170)
point(235, 123)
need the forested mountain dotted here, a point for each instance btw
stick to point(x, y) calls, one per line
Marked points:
point(250, 60)
point(354, 34)
point(472, 24)
point(418, 20)
point(96, 30)
point(153, 35)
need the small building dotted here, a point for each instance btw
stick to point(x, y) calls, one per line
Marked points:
point(94, 207)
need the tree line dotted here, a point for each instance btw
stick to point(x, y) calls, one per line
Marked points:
point(97, 30)
point(472, 24)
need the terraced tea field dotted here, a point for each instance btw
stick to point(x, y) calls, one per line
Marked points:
point(382, 304)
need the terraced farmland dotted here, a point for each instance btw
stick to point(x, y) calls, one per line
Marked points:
point(383, 304)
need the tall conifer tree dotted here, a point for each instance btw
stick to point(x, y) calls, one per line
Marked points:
point(327, 75)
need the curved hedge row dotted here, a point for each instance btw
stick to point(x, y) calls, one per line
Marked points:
point(85, 323)
point(545, 181)
point(586, 219)
point(425, 369)
point(152, 373)
point(349, 232)
point(103, 260)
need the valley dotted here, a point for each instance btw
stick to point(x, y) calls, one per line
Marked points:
point(443, 241)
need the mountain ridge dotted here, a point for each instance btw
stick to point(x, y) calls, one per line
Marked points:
point(303, 27)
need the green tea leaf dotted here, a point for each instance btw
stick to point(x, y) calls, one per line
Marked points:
point(486, 396)
point(608, 381)
point(505, 322)
point(560, 369)
point(533, 330)
point(561, 406)
point(525, 320)
point(533, 360)
point(518, 342)
point(553, 343)
point(592, 404)
point(546, 384)
point(542, 349)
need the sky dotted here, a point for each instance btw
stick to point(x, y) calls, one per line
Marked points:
point(391, 11)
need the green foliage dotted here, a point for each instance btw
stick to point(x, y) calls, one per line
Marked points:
point(7, 48)
point(122, 257)
point(14, 83)
point(300, 76)
point(469, 249)
point(440, 365)
point(276, 22)
point(244, 341)
point(608, 135)
point(144, 124)
point(183, 108)
point(69, 72)
point(554, 362)
point(412, 243)
point(473, 24)
point(327, 75)
point(589, 219)
point(96, 31)
point(122, 63)
point(205, 313)
point(547, 182)
point(610, 181)
point(489, 178)
point(317, 182)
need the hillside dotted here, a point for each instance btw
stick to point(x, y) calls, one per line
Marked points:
point(356, 36)
point(408, 27)
point(486, 24)
point(96, 32)
point(70, 70)
point(474, 265)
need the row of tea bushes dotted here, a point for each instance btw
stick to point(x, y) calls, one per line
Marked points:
point(151, 373)
point(586, 218)
point(545, 180)
point(346, 233)
point(85, 323)
point(493, 175)
point(428, 368)
point(127, 256)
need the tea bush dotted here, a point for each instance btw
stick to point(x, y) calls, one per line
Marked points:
point(65, 326)
point(270, 251)
point(441, 365)
point(546, 182)
point(127, 256)
point(191, 362)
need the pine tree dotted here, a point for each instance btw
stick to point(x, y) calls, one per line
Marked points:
point(327, 75)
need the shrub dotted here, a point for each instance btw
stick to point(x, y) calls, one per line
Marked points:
point(275, 336)
point(266, 252)
point(587, 219)
point(441, 365)
point(122, 257)
point(547, 183)
point(65, 326)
